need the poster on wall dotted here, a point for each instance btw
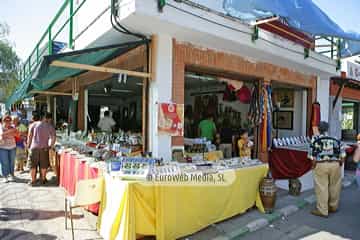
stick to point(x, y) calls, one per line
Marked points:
point(171, 119)
point(283, 120)
point(285, 97)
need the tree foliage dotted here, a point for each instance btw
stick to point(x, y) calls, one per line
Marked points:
point(9, 64)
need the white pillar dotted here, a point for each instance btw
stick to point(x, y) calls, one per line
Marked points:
point(160, 91)
point(48, 103)
point(323, 93)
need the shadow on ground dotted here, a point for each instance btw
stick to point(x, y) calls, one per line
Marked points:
point(13, 214)
point(16, 234)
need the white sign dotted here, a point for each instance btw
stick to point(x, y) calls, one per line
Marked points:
point(353, 71)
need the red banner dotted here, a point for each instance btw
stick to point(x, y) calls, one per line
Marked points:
point(171, 119)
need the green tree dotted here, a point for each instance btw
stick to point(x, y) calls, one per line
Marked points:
point(9, 64)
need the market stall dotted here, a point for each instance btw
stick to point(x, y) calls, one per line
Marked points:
point(73, 168)
point(169, 210)
point(222, 103)
point(290, 144)
point(289, 160)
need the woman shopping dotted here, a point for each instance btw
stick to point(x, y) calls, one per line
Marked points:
point(7, 149)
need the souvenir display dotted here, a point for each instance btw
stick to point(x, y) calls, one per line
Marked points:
point(136, 168)
point(297, 143)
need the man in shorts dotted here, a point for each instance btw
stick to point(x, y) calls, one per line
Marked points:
point(41, 138)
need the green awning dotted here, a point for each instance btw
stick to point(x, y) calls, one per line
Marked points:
point(20, 93)
point(47, 76)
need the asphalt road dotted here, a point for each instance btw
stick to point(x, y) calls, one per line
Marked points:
point(345, 224)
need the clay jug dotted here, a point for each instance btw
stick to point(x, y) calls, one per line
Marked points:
point(268, 193)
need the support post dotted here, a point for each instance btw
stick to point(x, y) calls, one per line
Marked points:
point(71, 7)
point(339, 92)
point(49, 41)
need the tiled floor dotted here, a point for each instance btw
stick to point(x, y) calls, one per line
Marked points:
point(33, 213)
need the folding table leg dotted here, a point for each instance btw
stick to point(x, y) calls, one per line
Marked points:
point(66, 215)
point(72, 224)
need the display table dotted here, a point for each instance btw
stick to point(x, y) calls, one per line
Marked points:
point(132, 209)
point(289, 163)
point(208, 156)
point(72, 170)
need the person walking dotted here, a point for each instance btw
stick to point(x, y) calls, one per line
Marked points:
point(356, 159)
point(35, 118)
point(327, 156)
point(41, 138)
point(7, 149)
point(20, 143)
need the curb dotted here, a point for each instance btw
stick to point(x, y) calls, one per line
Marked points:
point(276, 215)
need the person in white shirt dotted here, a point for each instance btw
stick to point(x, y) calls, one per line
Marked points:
point(106, 123)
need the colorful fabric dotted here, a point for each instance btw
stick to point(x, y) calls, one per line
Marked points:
point(71, 171)
point(207, 129)
point(315, 117)
point(266, 119)
point(324, 148)
point(244, 94)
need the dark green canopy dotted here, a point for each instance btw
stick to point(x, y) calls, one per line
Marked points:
point(47, 76)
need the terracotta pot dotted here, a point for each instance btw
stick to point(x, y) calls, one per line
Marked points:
point(268, 194)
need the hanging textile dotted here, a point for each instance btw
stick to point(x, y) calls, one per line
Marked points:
point(315, 117)
point(254, 109)
point(266, 117)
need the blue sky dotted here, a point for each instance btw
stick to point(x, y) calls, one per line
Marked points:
point(28, 19)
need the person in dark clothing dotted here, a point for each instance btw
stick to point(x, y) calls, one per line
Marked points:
point(226, 135)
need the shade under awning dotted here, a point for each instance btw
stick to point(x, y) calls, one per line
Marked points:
point(48, 75)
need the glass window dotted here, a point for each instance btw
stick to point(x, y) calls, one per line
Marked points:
point(348, 116)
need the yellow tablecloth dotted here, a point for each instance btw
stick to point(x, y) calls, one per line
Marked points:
point(133, 209)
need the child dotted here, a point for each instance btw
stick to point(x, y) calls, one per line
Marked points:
point(357, 160)
point(20, 144)
point(244, 144)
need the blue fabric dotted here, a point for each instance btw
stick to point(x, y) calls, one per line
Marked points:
point(350, 48)
point(303, 15)
point(7, 162)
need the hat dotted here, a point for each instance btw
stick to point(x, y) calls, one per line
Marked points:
point(244, 94)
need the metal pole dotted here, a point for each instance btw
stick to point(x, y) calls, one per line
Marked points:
point(37, 54)
point(71, 7)
point(49, 41)
point(332, 48)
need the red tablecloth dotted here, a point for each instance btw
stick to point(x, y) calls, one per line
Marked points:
point(287, 164)
point(71, 171)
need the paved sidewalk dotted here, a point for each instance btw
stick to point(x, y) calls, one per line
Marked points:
point(34, 213)
point(239, 226)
